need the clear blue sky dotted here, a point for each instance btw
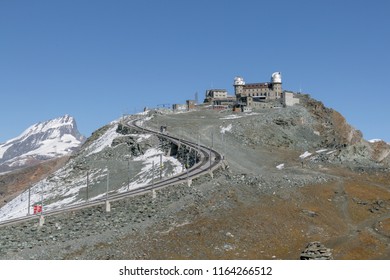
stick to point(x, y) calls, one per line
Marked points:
point(98, 59)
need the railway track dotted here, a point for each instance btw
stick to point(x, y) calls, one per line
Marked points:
point(209, 160)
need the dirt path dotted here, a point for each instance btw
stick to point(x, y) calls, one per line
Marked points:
point(364, 239)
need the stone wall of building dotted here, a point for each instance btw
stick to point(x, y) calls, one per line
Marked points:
point(289, 99)
point(179, 107)
point(269, 91)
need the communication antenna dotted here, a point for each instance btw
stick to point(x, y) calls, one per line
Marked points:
point(196, 97)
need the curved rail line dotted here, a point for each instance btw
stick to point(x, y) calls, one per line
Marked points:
point(204, 166)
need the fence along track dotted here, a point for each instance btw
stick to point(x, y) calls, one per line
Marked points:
point(203, 167)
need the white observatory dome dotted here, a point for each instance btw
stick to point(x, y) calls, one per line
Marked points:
point(276, 77)
point(239, 81)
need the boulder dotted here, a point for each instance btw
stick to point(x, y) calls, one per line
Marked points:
point(316, 251)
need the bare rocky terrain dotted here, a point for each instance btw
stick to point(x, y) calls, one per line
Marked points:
point(13, 183)
point(295, 175)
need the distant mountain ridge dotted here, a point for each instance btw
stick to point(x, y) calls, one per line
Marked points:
point(41, 141)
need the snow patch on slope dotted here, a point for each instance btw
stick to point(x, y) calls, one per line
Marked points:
point(68, 185)
point(280, 166)
point(104, 141)
point(231, 117)
point(64, 194)
point(226, 128)
point(305, 155)
point(375, 140)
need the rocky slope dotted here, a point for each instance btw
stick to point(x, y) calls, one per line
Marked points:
point(295, 175)
point(349, 141)
point(311, 127)
point(14, 183)
point(122, 158)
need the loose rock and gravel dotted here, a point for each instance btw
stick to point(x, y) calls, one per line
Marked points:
point(338, 196)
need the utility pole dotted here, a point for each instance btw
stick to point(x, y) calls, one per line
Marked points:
point(41, 218)
point(29, 200)
point(87, 184)
point(42, 200)
point(153, 174)
point(161, 167)
point(187, 165)
point(108, 206)
point(210, 158)
point(212, 145)
point(127, 157)
point(154, 194)
point(199, 143)
point(108, 183)
point(128, 174)
point(223, 147)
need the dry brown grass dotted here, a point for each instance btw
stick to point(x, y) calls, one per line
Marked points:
point(277, 227)
point(12, 184)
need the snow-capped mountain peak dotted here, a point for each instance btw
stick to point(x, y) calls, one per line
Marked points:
point(47, 125)
point(41, 141)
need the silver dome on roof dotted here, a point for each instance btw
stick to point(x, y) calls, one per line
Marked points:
point(276, 77)
point(239, 81)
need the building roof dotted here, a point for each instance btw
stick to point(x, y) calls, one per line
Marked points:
point(215, 89)
point(257, 85)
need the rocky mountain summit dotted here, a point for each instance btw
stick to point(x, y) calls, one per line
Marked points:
point(312, 127)
point(293, 176)
point(41, 141)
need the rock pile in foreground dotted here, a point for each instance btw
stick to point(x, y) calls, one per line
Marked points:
point(316, 251)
